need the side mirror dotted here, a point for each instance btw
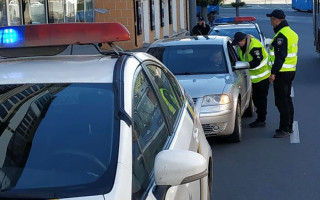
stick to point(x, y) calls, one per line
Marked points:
point(241, 65)
point(176, 167)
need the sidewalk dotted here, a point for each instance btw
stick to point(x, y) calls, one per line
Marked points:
point(226, 2)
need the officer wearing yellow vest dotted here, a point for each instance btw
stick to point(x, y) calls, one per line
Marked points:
point(251, 50)
point(283, 58)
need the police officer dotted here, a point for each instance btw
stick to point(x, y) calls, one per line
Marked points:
point(251, 50)
point(201, 28)
point(283, 58)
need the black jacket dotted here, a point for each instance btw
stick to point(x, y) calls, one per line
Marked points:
point(280, 45)
point(200, 30)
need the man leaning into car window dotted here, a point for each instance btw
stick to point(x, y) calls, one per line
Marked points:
point(251, 50)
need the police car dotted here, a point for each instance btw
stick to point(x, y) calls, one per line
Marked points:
point(108, 126)
point(228, 26)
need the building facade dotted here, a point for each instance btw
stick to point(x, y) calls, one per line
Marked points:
point(146, 20)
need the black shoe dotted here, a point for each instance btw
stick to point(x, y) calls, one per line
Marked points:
point(279, 130)
point(257, 123)
point(281, 134)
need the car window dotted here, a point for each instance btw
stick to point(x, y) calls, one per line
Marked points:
point(192, 59)
point(232, 54)
point(231, 32)
point(171, 102)
point(149, 134)
point(56, 137)
point(176, 87)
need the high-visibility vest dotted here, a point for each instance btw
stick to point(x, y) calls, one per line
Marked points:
point(261, 71)
point(290, 62)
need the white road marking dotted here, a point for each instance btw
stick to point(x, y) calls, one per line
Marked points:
point(292, 92)
point(294, 137)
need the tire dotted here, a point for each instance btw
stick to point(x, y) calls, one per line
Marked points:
point(236, 136)
point(250, 110)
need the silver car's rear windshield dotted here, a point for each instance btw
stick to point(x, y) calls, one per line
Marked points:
point(192, 59)
point(231, 32)
point(57, 140)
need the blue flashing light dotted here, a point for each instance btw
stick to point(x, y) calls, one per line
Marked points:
point(12, 36)
point(9, 36)
point(225, 20)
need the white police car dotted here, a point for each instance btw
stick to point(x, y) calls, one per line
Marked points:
point(101, 127)
point(228, 26)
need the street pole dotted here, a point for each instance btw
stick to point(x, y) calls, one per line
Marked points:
point(237, 7)
point(192, 13)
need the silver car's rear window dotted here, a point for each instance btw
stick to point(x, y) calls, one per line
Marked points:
point(192, 59)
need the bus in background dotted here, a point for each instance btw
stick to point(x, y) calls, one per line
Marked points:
point(302, 5)
point(316, 24)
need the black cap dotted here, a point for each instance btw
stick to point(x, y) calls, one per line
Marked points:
point(201, 19)
point(238, 36)
point(279, 14)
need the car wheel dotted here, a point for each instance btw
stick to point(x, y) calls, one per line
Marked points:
point(250, 110)
point(237, 132)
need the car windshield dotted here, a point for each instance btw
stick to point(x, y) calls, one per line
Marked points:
point(57, 140)
point(192, 59)
point(231, 32)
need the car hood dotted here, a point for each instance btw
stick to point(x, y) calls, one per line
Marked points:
point(201, 85)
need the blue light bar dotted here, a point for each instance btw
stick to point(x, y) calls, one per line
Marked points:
point(11, 36)
point(225, 20)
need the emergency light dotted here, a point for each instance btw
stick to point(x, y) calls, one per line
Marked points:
point(234, 19)
point(40, 35)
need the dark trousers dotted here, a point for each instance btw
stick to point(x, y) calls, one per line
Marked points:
point(259, 97)
point(282, 94)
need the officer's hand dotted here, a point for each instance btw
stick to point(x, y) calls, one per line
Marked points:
point(271, 78)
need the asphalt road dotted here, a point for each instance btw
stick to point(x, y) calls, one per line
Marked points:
point(264, 168)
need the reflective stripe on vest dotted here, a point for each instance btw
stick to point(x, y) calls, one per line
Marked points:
point(292, 50)
point(262, 64)
point(290, 55)
point(261, 71)
point(261, 75)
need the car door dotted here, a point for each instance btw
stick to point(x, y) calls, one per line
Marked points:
point(243, 81)
point(179, 117)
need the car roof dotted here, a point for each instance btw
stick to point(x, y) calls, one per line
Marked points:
point(191, 40)
point(233, 26)
point(58, 69)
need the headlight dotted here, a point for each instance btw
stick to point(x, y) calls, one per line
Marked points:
point(218, 99)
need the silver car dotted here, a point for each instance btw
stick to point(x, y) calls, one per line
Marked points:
point(209, 69)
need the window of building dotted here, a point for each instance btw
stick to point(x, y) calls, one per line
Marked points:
point(3, 13)
point(36, 12)
point(85, 11)
point(14, 17)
